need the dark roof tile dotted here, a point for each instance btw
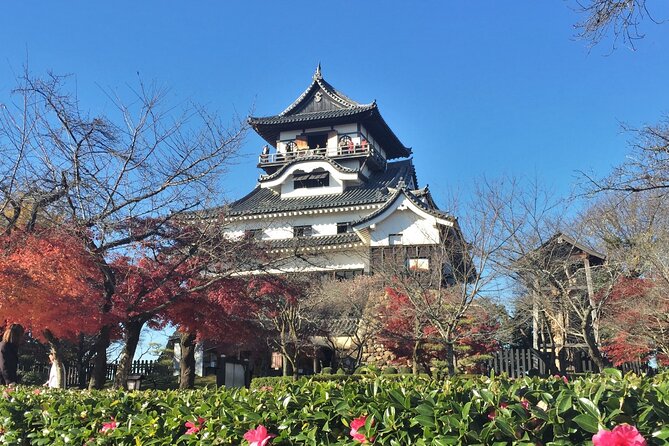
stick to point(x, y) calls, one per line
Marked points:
point(374, 191)
point(313, 241)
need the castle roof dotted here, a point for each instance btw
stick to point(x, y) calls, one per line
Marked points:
point(376, 190)
point(323, 105)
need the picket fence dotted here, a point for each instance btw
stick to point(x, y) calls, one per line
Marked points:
point(72, 376)
point(517, 362)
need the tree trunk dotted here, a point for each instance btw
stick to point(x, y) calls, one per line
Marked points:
point(54, 346)
point(81, 366)
point(187, 361)
point(414, 357)
point(99, 373)
point(593, 349)
point(450, 357)
point(133, 329)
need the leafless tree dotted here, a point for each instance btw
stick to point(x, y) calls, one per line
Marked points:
point(344, 313)
point(463, 266)
point(646, 168)
point(619, 18)
point(115, 179)
point(634, 230)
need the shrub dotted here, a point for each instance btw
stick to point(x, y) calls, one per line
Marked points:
point(404, 370)
point(390, 370)
point(313, 411)
point(341, 371)
point(162, 375)
point(31, 378)
point(326, 370)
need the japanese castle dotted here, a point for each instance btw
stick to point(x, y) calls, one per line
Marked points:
point(338, 188)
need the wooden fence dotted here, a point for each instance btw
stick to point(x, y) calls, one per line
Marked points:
point(72, 378)
point(517, 362)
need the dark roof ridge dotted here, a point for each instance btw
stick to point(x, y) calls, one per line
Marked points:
point(396, 191)
point(332, 92)
point(572, 241)
point(312, 115)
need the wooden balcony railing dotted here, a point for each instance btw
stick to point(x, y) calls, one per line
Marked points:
point(330, 152)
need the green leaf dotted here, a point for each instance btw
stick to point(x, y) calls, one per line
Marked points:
point(590, 407)
point(563, 403)
point(662, 434)
point(613, 373)
point(425, 421)
point(505, 428)
point(587, 423)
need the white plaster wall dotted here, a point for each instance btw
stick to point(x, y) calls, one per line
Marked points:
point(282, 227)
point(323, 224)
point(415, 229)
point(355, 258)
point(336, 184)
point(338, 181)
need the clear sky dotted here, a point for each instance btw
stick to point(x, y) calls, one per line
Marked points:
point(476, 88)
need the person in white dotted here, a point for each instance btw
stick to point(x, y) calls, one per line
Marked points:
point(53, 378)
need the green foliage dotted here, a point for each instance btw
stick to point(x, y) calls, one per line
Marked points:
point(341, 371)
point(404, 370)
point(278, 381)
point(32, 378)
point(400, 410)
point(390, 371)
point(162, 376)
point(326, 370)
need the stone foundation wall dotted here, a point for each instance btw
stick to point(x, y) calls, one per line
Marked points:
point(374, 353)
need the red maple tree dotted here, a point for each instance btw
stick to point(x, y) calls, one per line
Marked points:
point(409, 335)
point(637, 321)
point(49, 283)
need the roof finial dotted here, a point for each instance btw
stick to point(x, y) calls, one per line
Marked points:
point(317, 74)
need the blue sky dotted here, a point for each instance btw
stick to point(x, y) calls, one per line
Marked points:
point(476, 88)
point(484, 88)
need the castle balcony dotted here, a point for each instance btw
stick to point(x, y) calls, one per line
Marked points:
point(350, 151)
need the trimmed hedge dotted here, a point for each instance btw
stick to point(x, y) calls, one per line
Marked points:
point(400, 410)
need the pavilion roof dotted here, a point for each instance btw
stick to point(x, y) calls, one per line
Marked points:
point(320, 105)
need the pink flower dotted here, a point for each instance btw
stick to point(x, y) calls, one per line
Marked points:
point(493, 413)
point(258, 436)
point(37, 391)
point(267, 388)
point(525, 403)
point(194, 428)
point(109, 426)
point(563, 378)
point(357, 424)
point(621, 435)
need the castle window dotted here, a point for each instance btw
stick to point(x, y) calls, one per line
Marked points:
point(302, 231)
point(343, 227)
point(418, 264)
point(317, 141)
point(317, 178)
point(394, 239)
point(253, 234)
point(348, 274)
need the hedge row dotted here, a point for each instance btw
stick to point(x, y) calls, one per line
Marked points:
point(397, 410)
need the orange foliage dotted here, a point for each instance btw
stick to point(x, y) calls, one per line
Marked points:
point(49, 281)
